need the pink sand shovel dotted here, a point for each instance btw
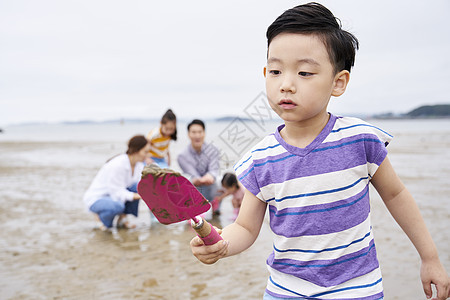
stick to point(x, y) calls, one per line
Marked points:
point(172, 198)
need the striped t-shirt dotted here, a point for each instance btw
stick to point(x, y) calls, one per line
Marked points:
point(318, 199)
point(158, 142)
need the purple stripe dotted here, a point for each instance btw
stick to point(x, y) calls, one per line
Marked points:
point(246, 173)
point(365, 140)
point(247, 178)
point(328, 273)
point(339, 155)
point(321, 219)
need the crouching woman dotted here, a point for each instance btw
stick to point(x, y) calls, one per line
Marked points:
point(113, 192)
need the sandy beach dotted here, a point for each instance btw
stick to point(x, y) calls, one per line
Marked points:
point(51, 250)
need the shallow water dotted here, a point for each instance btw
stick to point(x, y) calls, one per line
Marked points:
point(52, 251)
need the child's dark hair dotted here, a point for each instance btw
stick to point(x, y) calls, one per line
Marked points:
point(229, 180)
point(136, 143)
point(169, 116)
point(196, 122)
point(314, 18)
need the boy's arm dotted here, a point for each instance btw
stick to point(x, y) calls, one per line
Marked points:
point(238, 236)
point(406, 213)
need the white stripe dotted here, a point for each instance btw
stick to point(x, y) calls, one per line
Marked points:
point(372, 168)
point(244, 164)
point(159, 152)
point(307, 288)
point(349, 132)
point(162, 143)
point(260, 197)
point(276, 149)
point(256, 152)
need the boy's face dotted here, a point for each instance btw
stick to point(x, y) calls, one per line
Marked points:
point(300, 78)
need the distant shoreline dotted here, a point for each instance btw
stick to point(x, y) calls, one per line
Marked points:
point(440, 111)
point(405, 117)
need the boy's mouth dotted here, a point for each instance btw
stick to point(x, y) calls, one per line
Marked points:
point(287, 104)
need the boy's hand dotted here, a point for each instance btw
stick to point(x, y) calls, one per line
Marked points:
point(433, 273)
point(208, 254)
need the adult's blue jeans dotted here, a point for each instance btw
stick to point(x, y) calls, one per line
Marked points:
point(107, 209)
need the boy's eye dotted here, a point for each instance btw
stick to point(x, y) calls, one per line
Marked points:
point(305, 74)
point(274, 72)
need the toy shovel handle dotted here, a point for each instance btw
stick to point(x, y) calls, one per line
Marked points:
point(205, 231)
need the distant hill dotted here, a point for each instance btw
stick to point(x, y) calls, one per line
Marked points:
point(112, 121)
point(442, 110)
point(425, 111)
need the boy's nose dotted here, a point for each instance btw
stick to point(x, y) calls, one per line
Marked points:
point(287, 85)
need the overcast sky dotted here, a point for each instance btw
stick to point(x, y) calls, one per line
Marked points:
point(101, 60)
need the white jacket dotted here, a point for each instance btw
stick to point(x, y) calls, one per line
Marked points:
point(112, 181)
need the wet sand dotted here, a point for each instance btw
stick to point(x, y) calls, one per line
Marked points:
point(50, 249)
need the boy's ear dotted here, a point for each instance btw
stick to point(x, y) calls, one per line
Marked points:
point(340, 83)
point(264, 71)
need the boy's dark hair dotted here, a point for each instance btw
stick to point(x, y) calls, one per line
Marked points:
point(229, 180)
point(169, 116)
point(198, 122)
point(136, 143)
point(314, 18)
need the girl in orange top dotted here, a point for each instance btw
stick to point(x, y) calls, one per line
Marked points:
point(160, 137)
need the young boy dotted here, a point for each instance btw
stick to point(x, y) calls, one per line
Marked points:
point(314, 174)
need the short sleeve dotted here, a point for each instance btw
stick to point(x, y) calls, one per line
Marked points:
point(245, 173)
point(154, 133)
point(376, 148)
